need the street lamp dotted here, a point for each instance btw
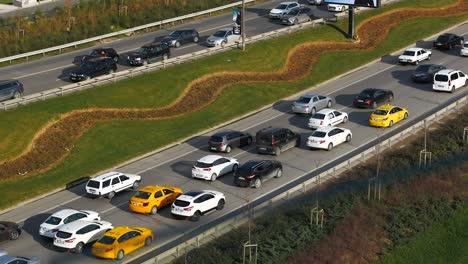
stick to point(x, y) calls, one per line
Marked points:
point(243, 25)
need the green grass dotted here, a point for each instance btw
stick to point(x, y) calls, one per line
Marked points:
point(6, 2)
point(109, 143)
point(445, 242)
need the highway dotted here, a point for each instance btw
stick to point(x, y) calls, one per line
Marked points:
point(173, 166)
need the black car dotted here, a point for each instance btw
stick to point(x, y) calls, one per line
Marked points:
point(372, 97)
point(179, 37)
point(10, 89)
point(255, 172)
point(96, 53)
point(9, 230)
point(92, 68)
point(226, 140)
point(425, 72)
point(447, 41)
point(148, 54)
point(274, 140)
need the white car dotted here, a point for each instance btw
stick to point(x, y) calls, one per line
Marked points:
point(414, 56)
point(464, 49)
point(327, 117)
point(195, 203)
point(76, 234)
point(448, 80)
point(110, 183)
point(221, 38)
point(328, 137)
point(337, 8)
point(212, 166)
point(282, 9)
point(52, 224)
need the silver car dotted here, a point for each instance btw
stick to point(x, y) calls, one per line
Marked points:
point(5, 259)
point(296, 16)
point(221, 38)
point(311, 103)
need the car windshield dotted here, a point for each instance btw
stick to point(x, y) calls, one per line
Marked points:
point(107, 240)
point(176, 33)
point(199, 164)
point(423, 68)
point(380, 112)
point(442, 38)
point(94, 53)
point(281, 6)
point(264, 139)
point(142, 195)
point(366, 94)
point(87, 65)
point(246, 168)
point(294, 12)
point(216, 139)
point(181, 203)
point(304, 100)
point(142, 50)
point(93, 184)
point(220, 34)
point(318, 116)
point(466, 45)
point(441, 78)
point(319, 134)
point(52, 220)
point(408, 53)
point(61, 234)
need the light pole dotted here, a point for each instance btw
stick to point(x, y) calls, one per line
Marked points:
point(243, 25)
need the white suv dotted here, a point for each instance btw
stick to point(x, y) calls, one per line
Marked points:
point(76, 234)
point(52, 224)
point(449, 80)
point(282, 9)
point(108, 184)
point(195, 203)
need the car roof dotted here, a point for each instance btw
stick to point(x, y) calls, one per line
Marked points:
point(65, 212)
point(153, 188)
point(414, 49)
point(270, 130)
point(223, 133)
point(106, 175)
point(225, 29)
point(210, 158)
point(287, 3)
point(371, 90)
point(326, 111)
point(95, 59)
point(120, 230)
point(150, 45)
point(78, 224)
point(308, 95)
point(6, 259)
point(326, 129)
point(253, 163)
point(185, 29)
point(5, 81)
point(446, 71)
point(386, 107)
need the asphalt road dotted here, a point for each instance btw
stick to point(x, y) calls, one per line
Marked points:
point(173, 166)
point(52, 72)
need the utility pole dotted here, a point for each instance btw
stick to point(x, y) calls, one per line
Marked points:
point(243, 25)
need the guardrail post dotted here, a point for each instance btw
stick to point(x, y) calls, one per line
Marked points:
point(177, 252)
point(61, 91)
point(465, 135)
point(4, 106)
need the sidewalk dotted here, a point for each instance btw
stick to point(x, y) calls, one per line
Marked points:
point(44, 5)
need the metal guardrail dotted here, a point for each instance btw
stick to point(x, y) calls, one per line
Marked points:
point(125, 31)
point(301, 188)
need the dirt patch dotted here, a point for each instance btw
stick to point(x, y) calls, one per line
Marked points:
point(53, 143)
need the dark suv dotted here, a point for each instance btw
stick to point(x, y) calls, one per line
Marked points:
point(226, 140)
point(179, 37)
point(10, 89)
point(255, 172)
point(96, 53)
point(447, 41)
point(149, 53)
point(92, 68)
point(273, 140)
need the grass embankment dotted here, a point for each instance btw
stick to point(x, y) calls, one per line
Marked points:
point(102, 147)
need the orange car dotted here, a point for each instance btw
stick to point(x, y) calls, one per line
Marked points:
point(151, 198)
point(121, 241)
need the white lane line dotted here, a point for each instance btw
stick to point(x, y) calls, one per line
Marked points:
point(31, 74)
point(53, 207)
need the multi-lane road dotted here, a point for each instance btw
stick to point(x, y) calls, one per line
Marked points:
point(173, 166)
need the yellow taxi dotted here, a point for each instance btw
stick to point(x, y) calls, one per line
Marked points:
point(151, 198)
point(121, 241)
point(387, 115)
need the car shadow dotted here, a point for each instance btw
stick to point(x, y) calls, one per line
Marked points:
point(425, 44)
point(300, 121)
point(183, 168)
point(227, 179)
point(258, 11)
point(202, 41)
point(389, 59)
point(404, 78)
point(344, 100)
point(200, 143)
point(31, 226)
point(64, 76)
point(282, 106)
point(360, 117)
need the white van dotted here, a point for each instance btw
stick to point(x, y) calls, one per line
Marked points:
point(449, 80)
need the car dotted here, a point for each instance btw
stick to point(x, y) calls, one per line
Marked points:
point(224, 141)
point(274, 140)
point(254, 172)
point(387, 115)
point(148, 54)
point(464, 49)
point(425, 72)
point(52, 224)
point(11, 89)
point(328, 137)
point(414, 56)
point(77, 234)
point(337, 7)
point(448, 80)
point(151, 198)
point(310, 103)
point(9, 230)
point(447, 41)
point(212, 166)
point(372, 97)
point(121, 241)
point(296, 16)
point(181, 36)
point(5, 259)
point(221, 38)
point(282, 9)
point(99, 52)
point(327, 117)
point(193, 204)
point(92, 68)
point(110, 183)
point(315, 2)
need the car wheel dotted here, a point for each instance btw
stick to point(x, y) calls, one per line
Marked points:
point(277, 151)
point(249, 141)
point(406, 116)
point(312, 111)
point(391, 123)
point(234, 167)
point(14, 234)
point(223, 44)
point(228, 149)
point(390, 98)
point(374, 105)
point(279, 173)
point(87, 78)
point(195, 39)
point(330, 146)
point(450, 46)
point(220, 205)
point(116, 59)
point(213, 177)
point(79, 248)
point(295, 21)
point(154, 210)
point(148, 241)
point(329, 104)
point(120, 255)
point(453, 89)
point(165, 57)
point(195, 217)
point(298, 142)
point(135, 185)
point(110, 71)
point(257, 183)
point(177, 44)
point(348, 138)
point(16, 95)
point(429, 57)
point(145, 62)
point(111, 195)
point(416, 62)
point(345, 119)
point(462, 41)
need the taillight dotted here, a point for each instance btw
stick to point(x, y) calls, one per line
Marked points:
point(145, 204)
point(55, 230)
point(250, 176)
point(193, 167)
point(321, 122)
point(273, 141)
point(368, 101)
point(70, 240)
point(188, 208)
point(322, 141)
point(172, 206)
point(449, 83)
point(207, 169)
